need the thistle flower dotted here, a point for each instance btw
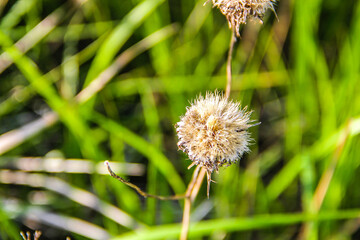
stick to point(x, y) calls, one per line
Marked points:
point(238, 11)
point(213, 131)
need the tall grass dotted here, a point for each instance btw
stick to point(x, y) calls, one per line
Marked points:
point(107, 80)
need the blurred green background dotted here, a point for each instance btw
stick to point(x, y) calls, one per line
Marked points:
point(82, 81)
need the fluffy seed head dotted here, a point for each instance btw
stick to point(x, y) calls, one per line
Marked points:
point(238, 11)
point(213, 131)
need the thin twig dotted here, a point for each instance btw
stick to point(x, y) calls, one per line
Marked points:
point(228, 65)
point(189, 196)
point(141, 192)
point(208, 174)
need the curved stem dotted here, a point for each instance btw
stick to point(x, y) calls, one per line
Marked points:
point(141, 192)
point(189, 196)
point(228, 65)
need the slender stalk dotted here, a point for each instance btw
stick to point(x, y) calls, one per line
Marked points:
point(141, 192)
point(199, 173)
point(228, 65)
point(197, 184)
point(191, 193)
point(189, 196)
point(186, 219)
point(193, 181)
point(193, 189)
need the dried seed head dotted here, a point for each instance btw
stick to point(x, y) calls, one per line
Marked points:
point(238, 11)
point(213, 131)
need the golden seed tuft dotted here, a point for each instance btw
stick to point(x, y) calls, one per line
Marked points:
point(213, 131)
point(238, 11)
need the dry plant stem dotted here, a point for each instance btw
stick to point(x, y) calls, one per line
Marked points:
point(327, 176)
point(208, 174)
point(141, 192)
point(228, 65)
point(324, 183)
point(191, 192)
point(189, 196)
point(197, 185)
point(186, 219)
point(193, 181)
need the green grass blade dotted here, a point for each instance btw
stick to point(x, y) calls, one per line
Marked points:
point(206, 228)
point(118, 37)
point(68, 113)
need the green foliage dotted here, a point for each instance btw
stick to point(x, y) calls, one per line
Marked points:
point(137, 65)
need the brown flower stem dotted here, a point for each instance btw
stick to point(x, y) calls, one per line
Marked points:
point(228, 65)
point(141, 192)
point(327, 176)
point(191, 193)
point(189, 196)
point(186, 219)
point(197, 184)
point(193, 181)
